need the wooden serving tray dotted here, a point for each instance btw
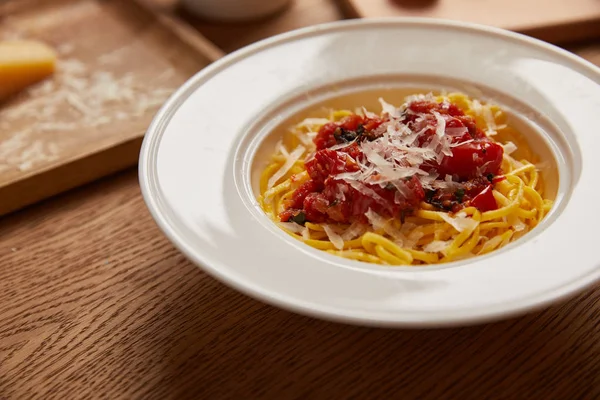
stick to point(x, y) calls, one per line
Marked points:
point(556, 21)
point(118, 62)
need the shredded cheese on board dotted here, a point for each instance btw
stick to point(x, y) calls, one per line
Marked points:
point(48, 118)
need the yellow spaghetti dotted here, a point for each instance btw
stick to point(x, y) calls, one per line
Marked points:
point(423, 183)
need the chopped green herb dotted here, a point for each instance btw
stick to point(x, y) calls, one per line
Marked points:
point(390, 186)
point(342, 135)
point(402, 216)
point(437, 204)
point(490, 177)
point(299, 218)
point(460, 194)
point(429, 195)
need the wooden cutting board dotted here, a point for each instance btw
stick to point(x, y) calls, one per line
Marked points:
point(118, 62)
point(556, 21)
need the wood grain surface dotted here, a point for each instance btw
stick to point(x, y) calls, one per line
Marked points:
point(96, 303)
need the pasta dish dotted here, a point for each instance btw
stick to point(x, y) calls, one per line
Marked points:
point(422, 183)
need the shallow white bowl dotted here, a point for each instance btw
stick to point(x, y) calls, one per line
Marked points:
point(197, 159)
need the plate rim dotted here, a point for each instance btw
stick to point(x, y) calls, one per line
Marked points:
point(472, 316)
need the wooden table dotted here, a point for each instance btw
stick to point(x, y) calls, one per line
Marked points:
point(96, 303)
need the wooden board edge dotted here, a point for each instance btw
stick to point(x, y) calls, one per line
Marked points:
point(571, 31)
point(89, 167)
point(185, 32)
point(348, 9)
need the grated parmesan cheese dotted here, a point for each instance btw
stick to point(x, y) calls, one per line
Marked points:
point(378, 222)
point(281, 148)
point(461, 143)
point(456, 131)
point(518, 224)
point(509, 148)
point(305, 234)
point(292, 227)
point(440, 129)
point(355, 230)
point(289, 163)
point(395, 154)
point(387, 108)
point(490, 244)
point(460, 221)
point(312, 122)
point(334, 237)
point(78, 98)
point(436, 246)
point(367, 191)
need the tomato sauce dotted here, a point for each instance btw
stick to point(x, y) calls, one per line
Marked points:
point(474, 165)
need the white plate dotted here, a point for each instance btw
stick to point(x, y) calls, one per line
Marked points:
point(196, 162)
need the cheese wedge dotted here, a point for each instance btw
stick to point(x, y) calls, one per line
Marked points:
point(23, 63)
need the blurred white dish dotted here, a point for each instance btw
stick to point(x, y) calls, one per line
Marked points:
point(197, 158)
